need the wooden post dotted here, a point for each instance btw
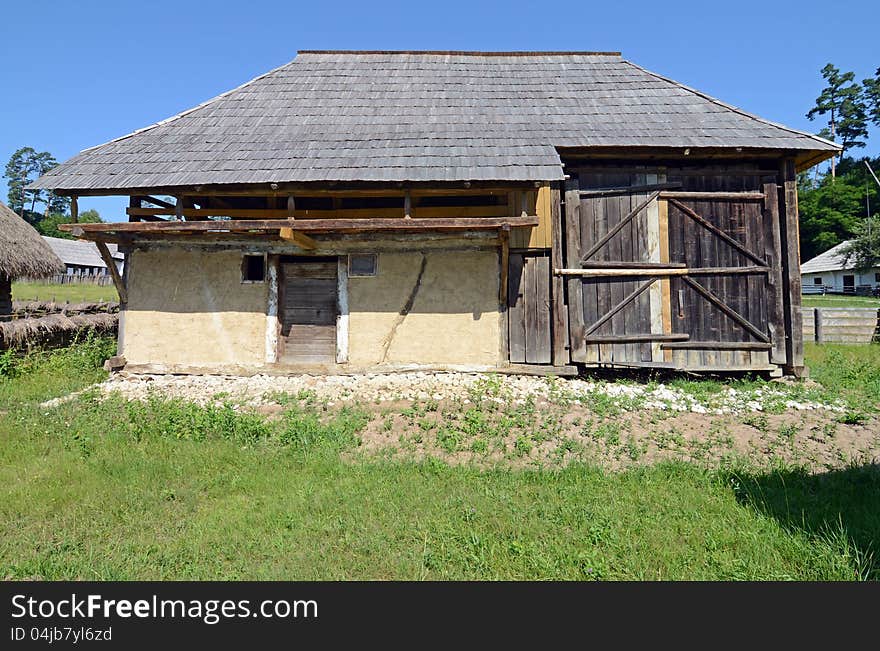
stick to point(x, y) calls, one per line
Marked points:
point(133, 202)
point(775, 288)
point(818, 334)
point(74, 208)
point(407, 205)
point(791, 270)
point(504, 238)
point(114, 272)
point(291, 206)
point(576, 325)
point(559, 324)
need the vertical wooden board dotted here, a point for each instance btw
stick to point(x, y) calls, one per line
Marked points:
point(665, 289)
point(773, 255)
point(588, 285)
point(540, 235)
point(561, 355)
point(530, 280)
point(576, 326)
point(542, 354)
point(791, 268)
point(600, 287)
point(714, 323)
point(613, 286)
point(652, 254)
point(516, 318)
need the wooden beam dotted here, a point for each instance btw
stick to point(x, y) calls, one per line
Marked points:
point(571, 222)
point(114, 272)
point(302, 241)
point(662, 270)
point(718, 345)
point(629, 189)
point(710, 196)
point(276, 213)
point(628, 339)
point(504, 238)
point(705, 223)
point(729, 311)
point(791, 271)
point(157, 202)
point(311, 225)
point(559, 323)
point(773, 252)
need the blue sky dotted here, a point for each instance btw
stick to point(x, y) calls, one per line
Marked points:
point(76, 74)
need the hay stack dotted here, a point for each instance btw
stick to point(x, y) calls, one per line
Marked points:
point(23, 254)
point(54, 329)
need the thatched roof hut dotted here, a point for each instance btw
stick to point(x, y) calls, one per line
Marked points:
point(23, 254)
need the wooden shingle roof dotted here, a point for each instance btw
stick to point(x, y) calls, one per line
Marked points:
point(419, 116)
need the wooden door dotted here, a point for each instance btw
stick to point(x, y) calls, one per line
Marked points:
point(308, 307)
point(528, 308)
point(659, 276)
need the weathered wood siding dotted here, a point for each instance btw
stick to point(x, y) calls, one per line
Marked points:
point(724, 217)
point(528, 309)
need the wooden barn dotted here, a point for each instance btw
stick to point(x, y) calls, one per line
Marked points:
point(515, 211)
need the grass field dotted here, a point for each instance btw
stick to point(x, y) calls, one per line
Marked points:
point(105, 490)
point(840, 301)
point(73, 293)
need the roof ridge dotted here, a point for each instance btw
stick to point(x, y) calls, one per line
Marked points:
point(483, 53)
point(733, 108)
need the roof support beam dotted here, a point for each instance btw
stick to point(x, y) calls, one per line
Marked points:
point(114, 272)
point(302, 241)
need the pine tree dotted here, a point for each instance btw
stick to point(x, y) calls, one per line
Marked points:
point(843, 101)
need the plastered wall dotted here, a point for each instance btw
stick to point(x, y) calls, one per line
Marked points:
point(191, 308)
point(454, 318)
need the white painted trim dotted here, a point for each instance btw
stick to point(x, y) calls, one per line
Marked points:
point(342, 304)
point(272, 314)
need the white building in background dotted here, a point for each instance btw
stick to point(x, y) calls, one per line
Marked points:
point(81, 258)
point(829, 273)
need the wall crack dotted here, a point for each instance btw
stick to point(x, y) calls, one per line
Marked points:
point(404, 311)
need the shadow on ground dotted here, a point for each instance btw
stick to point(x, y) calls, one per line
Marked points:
point(820, 504)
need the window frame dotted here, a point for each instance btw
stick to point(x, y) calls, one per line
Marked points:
point(243, 269)
point(374, 256)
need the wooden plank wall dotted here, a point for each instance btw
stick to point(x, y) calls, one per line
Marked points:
point(528, 309)
point(681, 308)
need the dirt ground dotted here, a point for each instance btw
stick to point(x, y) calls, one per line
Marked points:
point(554, 435)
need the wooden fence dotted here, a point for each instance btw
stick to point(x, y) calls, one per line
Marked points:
point(845, 325)
point(102, 280)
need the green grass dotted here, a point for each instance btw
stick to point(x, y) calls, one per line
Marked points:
point(167, 490)
point(61, 293)
point(840, 301)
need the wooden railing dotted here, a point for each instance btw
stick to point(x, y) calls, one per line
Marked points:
point(845, 325)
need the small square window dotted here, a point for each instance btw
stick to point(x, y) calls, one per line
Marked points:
point(817, 281)
point(362, 265)
point(253, 268)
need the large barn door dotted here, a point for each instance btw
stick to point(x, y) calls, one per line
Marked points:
point(661, 277)
point(307, 311)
